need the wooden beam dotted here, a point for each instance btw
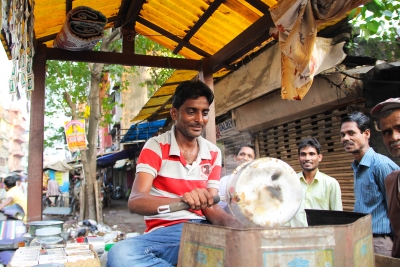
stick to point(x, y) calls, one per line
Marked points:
point(68, 6)
point(247, 48)
point(122, 59)
point(128, 27)
point(248, 36)
point(206, 76)
point(128, 41)
point(124, 7)
point(133, 13)
point(172, 37)
point(206, 15)
point(36, 136)
point(260, 5)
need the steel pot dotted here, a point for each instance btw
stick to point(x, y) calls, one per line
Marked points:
point(33, 226)
point(262, 193)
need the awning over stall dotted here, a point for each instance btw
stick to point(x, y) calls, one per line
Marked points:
point(143, 131)
point(111, 159)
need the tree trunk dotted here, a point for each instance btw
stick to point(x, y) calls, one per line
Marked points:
point(89, 156)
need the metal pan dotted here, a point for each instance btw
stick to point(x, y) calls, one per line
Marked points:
point(265, 192)
point(262, 193)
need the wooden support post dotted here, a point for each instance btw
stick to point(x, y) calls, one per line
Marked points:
point(82, 200)
point(206, 76)
point(36, 136)
point(128, 41)
point(96, 194)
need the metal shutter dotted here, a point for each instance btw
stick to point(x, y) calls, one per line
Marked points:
point(281, 142)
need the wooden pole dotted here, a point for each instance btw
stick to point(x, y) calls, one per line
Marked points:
point(96, 194)
point(206, 76)
point(36, 136)
point(82, 200)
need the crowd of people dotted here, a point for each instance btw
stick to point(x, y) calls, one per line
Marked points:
point(180, 165)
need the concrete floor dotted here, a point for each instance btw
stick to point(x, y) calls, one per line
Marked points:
point(118, 214)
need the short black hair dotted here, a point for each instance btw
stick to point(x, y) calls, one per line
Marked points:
point(242, 146)
point(309, 142)
point(361, 119)
point(11, 180)
point(191, 90)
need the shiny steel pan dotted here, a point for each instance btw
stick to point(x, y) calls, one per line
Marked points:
point(265, 192)
point(262, 193)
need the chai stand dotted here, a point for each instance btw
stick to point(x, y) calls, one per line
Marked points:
point(333, 238)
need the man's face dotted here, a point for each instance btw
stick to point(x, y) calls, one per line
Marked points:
point(191, 118)
point(309, 158)
point(245, 154)
point(390, 128)
point(352, 138)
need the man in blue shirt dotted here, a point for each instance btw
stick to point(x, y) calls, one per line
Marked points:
point(370, 170)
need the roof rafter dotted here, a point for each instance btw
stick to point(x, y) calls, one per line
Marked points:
point(206, 15)
point(133, 13)
point(260, 5)
point(172, 37)
point(68, 6)
point(247, 37)
point(122, 59)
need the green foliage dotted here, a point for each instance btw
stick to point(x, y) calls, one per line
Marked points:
point(145, 46)
point(62, 78)
point(73, 79)
point(379, 20)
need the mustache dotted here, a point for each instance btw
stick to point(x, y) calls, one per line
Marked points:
point(196, 125)
point(395, 144)
point(347, 143)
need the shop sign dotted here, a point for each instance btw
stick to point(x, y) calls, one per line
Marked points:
point(226, 129)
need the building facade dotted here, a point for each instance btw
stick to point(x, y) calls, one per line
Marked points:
point(13, 141)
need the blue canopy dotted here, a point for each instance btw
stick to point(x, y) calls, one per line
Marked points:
point(110, 159)
point(142, 131)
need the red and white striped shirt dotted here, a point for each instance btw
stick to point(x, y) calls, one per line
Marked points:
point(173, 177)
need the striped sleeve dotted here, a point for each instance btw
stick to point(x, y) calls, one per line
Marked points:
point(381, 171)
point(150, 158)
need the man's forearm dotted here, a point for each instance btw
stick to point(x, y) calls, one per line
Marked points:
point(217, 216)
point(146, 205)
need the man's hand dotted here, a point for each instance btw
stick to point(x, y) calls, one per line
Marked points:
point(217, 216)
point(198, 199)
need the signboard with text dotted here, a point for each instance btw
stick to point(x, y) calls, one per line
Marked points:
point(226, 129)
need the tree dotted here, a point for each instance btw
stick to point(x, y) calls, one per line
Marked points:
point(378, 24)
point(379, 19)
point(70, 86)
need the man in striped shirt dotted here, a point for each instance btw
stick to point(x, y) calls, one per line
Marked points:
point(370, 170)
point(178, 165)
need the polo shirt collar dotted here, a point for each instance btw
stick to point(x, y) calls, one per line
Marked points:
point(204, 152)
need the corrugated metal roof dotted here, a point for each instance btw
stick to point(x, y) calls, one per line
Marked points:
point(194, 29)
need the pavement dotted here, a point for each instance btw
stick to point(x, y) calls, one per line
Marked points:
point(119, 215)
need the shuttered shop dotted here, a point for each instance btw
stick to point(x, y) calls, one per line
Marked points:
point(281, 142)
